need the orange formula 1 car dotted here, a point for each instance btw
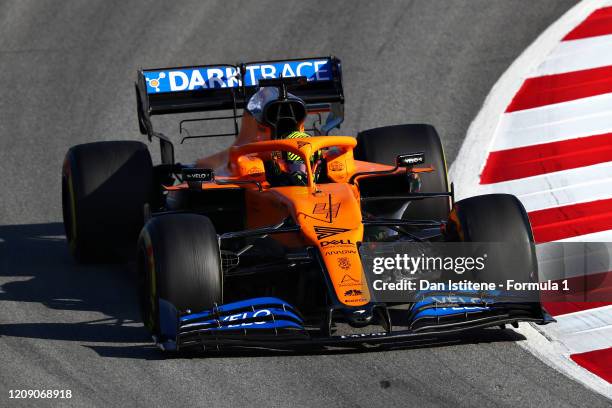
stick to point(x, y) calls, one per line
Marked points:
point(259, 244)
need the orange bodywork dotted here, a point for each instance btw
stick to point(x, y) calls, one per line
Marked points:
point(329, 214)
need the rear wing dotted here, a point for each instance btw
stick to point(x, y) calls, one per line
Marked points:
point(228, 87)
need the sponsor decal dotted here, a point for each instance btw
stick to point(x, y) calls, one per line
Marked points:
point(407, 160)
point(361, 335)
point(326, 232)
point(337, 242)
point(255, 171)
point(246, 315)
point(336, 166)
point(344, 263)
point(154, 82)
point(348, 280)
point(324, 208)
point(352, 300)
point(226, 76)
point(353, 292)
point(197, 175)
point(340, 252)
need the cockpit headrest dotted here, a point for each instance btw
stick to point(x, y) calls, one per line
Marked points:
point(282, 115)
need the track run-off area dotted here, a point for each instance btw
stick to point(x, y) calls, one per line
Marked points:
point(544, 136)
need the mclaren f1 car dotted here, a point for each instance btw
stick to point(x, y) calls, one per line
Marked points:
point(258, 245)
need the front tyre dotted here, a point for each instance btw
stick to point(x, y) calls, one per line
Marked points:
point(179, 265)
point(497, 218)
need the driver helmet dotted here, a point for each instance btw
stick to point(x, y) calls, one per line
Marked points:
point(292, 164)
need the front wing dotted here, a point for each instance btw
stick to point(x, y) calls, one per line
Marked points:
point(275, 324)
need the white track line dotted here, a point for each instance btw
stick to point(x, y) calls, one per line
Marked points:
point(551, 123)
point(579, 185)
point(582, 312)
point(602, 236)
point(584, 331)
point(556, 262)
point(577, 55)
point(571, 194)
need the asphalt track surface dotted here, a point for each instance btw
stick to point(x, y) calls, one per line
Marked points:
point(66, 74)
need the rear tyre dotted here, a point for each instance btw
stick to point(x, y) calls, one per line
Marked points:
point(179, 264)
point(382, 145)
point(104, 188)
point(497, 218)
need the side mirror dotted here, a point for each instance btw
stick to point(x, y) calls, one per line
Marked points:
point(410, 159)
